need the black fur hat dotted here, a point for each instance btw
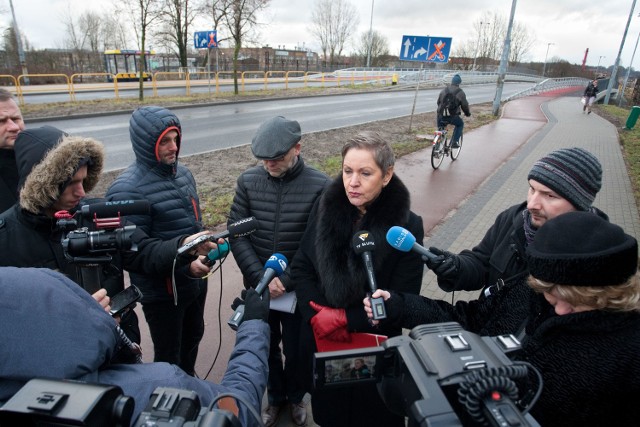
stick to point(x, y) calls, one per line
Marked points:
point(582, 249)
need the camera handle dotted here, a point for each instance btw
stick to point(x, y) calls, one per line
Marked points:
point(89, 269)
point(89, 273)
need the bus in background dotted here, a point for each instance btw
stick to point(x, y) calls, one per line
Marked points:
point(124, 64)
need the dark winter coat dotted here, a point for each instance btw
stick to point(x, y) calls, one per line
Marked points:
point(588, 360)
point(281, 207)
point(326, 270)
point(30, 238)
point(51, 328)
point(591, 90)
point(171, 192)
point(8, 179)
point(500, 255)
point(461, 97)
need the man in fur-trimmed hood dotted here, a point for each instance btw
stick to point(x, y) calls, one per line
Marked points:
point(48, 159)
point(55, 170)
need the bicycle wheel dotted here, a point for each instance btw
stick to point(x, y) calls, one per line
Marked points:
point(437, 154)
point(456, 151)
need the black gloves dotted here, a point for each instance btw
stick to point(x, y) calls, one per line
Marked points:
point(254, 306)
point(467, 115)
point(446, 265)
point(394, 307)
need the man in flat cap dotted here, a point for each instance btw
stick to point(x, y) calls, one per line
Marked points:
point(279, 193)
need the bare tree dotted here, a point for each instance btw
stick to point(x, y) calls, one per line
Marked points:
point(522, 40)
point(143, 14)
point(486, 41)
point(217, 10)
point(375, 45)
point(333, 23)
point(177, 17)
point(115, 34)
point(240, 18)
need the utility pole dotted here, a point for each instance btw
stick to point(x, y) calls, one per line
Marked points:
point(598, 67)
point(544, 67)
point(613, 79)
point(504, 61)
point(21, 57)
point(370, 37)
point(626, 77)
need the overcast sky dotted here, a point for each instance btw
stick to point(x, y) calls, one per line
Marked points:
point(571, 25)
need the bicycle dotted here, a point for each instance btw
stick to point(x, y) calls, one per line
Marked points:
point(442, 147)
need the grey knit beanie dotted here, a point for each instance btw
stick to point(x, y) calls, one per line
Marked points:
point(573, 173)
point(275, 137)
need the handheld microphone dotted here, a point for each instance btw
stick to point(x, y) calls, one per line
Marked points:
point(402, 239)
point(237, 229)
point(364, 244)
point(221, 251)
point(116, 208)
point(274, 267)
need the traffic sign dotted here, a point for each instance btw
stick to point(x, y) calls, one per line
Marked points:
point(205, 39)
point(425, 49)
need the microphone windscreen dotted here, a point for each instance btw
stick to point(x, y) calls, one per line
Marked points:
point(277, 262)
point(116, 208)
point(243, 227)
point(221, 251)
point(363, 241)
point(400, 238)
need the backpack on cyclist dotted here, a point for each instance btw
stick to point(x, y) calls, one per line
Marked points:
point(449, 105)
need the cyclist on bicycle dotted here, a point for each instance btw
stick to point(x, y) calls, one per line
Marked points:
point(451, 101)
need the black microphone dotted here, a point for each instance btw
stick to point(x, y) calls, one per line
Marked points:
point(402, 239)
point(116, 208)
point(237, 229)
point(364, 244)
point(274, 267)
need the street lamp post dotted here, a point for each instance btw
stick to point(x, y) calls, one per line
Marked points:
point(473, 68)
point(598, 67)
point(370, 37)
point(544, 67)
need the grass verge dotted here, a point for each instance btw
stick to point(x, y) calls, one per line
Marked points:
point(630, 142)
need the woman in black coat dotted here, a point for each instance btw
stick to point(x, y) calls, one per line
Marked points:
point(331, 277)
point(583, 328)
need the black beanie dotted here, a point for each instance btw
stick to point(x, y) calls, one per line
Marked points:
point(582, 249)
point(573, 173)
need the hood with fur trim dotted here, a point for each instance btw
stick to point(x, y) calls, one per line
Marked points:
point(47, 159)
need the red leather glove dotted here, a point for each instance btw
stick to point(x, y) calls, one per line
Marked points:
point(329, 323)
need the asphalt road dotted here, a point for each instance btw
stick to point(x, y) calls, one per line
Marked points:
point(214, 127)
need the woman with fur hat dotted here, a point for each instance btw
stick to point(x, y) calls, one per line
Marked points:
point(331, 276)
point(583, 329)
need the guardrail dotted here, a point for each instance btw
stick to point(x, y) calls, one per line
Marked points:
point(548, 85)
point(354, 76)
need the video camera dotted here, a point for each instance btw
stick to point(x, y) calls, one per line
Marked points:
point(438, 375)
point(110, 237)
point(44, 402)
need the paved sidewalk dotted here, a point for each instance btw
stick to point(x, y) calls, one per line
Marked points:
point(528, 129)
point(567, 126)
